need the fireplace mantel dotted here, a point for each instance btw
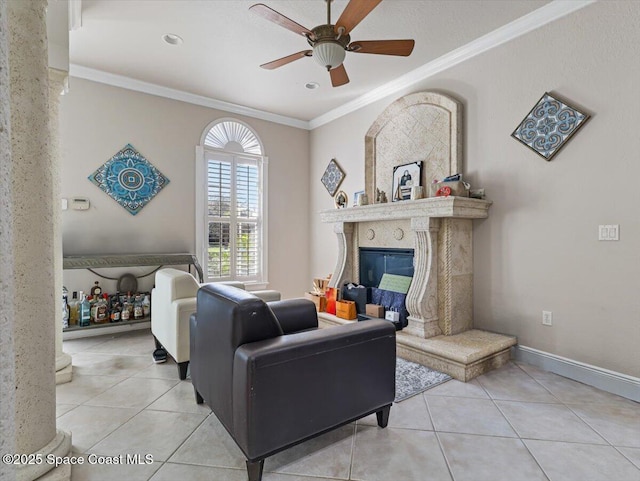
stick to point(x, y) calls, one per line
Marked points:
point(440, 331)
point(436, 207)
point(439, 301)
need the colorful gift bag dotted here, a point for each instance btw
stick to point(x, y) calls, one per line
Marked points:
point(332, 297)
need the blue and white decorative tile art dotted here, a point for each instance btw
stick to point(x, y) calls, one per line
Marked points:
point(129, 179)
point(332, 177)
point(548, 126)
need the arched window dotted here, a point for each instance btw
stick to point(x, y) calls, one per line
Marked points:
point(233, 136)
point(231, 201)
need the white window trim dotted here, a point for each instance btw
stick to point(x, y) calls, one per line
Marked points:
point(201, 212)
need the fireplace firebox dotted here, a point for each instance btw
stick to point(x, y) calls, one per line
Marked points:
point(374, 262)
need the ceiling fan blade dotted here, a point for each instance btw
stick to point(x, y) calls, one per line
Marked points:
point(354, 12)
point(339, 76)
point(275, 17)
point(383, 47)
point(285, 60)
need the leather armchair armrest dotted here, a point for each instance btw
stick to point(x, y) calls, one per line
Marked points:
point(289, 386)
point(295, 315)
point(267, 295)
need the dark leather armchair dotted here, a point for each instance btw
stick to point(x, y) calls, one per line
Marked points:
point(274, 380)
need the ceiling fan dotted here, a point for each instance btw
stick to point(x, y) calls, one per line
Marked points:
point(330, 43)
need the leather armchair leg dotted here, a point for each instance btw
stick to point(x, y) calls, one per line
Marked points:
point(182, 370)
point(199, 399)
point(254, 470)
point(383, 416)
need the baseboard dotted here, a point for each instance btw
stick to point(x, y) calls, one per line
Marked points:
point(610, 381)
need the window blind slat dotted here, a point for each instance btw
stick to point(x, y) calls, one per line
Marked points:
point(219, 188)
point(219, 251)
point(247, 254)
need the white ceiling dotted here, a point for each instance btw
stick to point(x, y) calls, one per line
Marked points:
point(224, 44)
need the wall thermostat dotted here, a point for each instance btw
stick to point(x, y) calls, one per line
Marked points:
point(80, 203)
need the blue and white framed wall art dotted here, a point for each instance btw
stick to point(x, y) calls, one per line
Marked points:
point(332, 177)
point(129, 179)
point(549, 125)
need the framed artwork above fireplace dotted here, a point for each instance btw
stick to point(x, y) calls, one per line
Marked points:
point(404, 177)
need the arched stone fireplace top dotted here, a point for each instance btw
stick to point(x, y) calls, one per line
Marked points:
point(423, 126)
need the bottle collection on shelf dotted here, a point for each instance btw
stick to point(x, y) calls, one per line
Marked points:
point(101, 308)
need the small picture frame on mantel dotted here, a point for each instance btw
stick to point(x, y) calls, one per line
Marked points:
point(341, 200)
point(405, 177)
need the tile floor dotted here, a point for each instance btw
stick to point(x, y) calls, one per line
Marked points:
point(517, 423)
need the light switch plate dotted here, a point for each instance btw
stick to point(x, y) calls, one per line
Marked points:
point(609, 232)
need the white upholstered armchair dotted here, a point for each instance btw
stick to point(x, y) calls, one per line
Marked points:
point(173, 300)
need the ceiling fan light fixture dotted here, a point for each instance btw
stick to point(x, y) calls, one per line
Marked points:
point(329, 54)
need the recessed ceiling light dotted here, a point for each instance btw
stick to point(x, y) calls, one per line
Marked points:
point(312, 85)
point(172, 39)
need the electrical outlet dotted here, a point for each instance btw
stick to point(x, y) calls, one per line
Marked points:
point(547, 318)
point(609, 232)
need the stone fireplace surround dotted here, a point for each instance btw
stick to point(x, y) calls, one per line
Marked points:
point(423, 126)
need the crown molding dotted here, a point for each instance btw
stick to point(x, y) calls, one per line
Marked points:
point(533, 20)
point(115, 80)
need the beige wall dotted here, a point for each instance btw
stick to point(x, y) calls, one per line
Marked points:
point(539, 248)
point(98, 120)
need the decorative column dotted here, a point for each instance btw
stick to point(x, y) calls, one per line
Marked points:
point(344, 264)
point(455, 269)
point(7, 263)
point(422, 298)
point(28, 215)
point(57, 80)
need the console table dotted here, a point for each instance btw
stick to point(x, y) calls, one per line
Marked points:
point(130, 260)
point(123, 260)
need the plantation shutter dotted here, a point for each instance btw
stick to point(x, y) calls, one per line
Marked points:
point(234, 218)
point(219, 211)
point(248, 214)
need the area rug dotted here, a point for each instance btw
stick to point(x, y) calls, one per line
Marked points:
point(412, 379)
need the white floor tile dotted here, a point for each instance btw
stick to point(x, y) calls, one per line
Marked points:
point(582, 462)
point(150, 432)
point(120, 402)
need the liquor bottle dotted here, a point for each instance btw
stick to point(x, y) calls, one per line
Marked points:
point(116, 309)
point(146, 306)
point(130, 305)
point(73, 309)
point(126, 312)
point(102, 314)
point(65, 308)
point(92, 308)
point(84, 314)
point(138, 312)
point(96, 290)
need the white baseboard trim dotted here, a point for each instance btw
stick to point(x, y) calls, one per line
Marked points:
point(610, 381)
